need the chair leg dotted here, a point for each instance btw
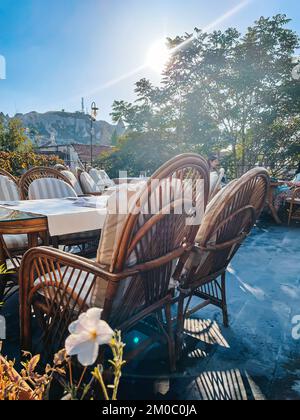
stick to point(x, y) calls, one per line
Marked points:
point(171, 341)
point(224, 301)
point(180, 328)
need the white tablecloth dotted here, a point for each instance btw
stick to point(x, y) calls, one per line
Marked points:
point(66, 216)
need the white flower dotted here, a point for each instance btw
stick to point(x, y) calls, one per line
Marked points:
point(87, 334)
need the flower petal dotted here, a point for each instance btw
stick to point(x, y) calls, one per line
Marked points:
point(74, 342)
point(88, 353)
point(94, 314)
point(89, 320)
point(104, 333)
point(73, 328)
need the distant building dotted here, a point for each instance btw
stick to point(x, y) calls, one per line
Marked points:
point(83, 151)
point(74, 155)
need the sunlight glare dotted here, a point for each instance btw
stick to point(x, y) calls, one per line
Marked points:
point(158, 55)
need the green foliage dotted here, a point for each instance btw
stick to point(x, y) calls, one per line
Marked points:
point(18, 162)
point(13, 137)
point(137, 152)
point(16, 150)
point(114, 138)
point(222, 91)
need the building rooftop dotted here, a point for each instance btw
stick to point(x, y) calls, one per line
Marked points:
point(84, 151)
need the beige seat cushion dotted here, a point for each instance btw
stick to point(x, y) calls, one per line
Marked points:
point(113, 228)
point(110, 236)
point(94, 174)
point(74, 181)
point(8, 189)
point(114, 222)
point(89, 186)
point(105, 178)
point(48, 188)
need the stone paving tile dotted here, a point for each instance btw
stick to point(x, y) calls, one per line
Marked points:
point(261, 360)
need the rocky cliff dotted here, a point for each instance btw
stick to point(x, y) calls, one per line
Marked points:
point(65, 128)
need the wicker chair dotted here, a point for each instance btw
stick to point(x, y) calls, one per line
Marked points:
point(101, 178)
point(294, 205)
point(74, 181)
point(131, 282)
point(228, 220)
point(59, 167)
point(12, 247)
point(38, 173)
point(8, 175)
point(89, 186)
point(79, 240)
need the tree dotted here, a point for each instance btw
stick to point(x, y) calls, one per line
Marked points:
point(137, 152)
point(224, 91)
point(114, 138)
point(13, 137)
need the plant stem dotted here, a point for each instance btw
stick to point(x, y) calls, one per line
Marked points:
point(97, 374)
point(81, 378)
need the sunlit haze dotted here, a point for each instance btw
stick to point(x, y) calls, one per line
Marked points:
point(57, 52)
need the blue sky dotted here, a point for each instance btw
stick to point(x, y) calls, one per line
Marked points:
point(60, 50)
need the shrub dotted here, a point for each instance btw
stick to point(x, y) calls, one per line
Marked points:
point(18, 162)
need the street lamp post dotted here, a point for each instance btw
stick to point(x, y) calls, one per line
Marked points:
point(94, 112)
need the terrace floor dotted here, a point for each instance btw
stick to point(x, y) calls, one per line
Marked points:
point(256, 358)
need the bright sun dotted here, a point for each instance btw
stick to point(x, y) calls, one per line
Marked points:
point(158, 56)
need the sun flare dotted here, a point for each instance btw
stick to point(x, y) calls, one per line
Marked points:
point(158, 56)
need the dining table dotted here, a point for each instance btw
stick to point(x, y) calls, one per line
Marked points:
point(51, 217)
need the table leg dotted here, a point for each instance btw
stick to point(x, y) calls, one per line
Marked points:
point(33, 240)
point(45, 238)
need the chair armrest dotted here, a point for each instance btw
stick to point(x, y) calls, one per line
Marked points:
point(76, 262)
point(92, 267)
